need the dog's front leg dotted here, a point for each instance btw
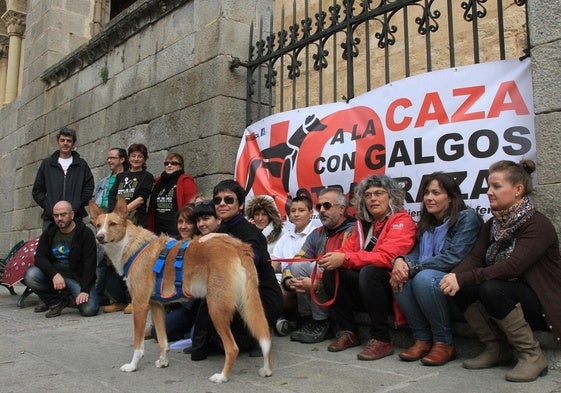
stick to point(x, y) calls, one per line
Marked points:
point(139, 314)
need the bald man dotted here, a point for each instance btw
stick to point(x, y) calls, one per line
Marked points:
point(65, 266)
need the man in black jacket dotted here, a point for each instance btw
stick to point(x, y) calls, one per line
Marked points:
point(63, 176)
point(65, 265)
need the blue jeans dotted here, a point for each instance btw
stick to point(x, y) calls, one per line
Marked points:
point(42, 285)
point(426, 308)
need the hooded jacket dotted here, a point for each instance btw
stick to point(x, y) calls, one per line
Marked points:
point(267, 204)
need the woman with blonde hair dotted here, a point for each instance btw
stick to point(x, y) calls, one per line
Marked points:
point(510, 283)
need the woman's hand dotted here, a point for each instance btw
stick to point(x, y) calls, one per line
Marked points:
point(331, 260)
point(449, 284)
point(400, 270)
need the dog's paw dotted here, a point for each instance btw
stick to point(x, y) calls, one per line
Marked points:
point(162, 363)
point(218, 378)
point(128, 368)
point(265, 372)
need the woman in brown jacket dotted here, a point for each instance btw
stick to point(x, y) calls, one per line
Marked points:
point(511, 281)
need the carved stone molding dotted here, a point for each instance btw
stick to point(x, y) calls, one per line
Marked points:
point(140, 15)
point(15, 22)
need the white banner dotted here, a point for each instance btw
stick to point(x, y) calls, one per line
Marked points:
point(458, 121)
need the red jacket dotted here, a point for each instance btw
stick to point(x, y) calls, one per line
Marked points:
point(185, 192)
point(397, 238)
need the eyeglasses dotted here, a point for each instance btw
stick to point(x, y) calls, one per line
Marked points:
point(174, 163)
point(229, 200)
point(112, 158)
point(375, 194)
point(325, 205)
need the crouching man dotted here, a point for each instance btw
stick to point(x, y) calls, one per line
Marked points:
point(65, 264)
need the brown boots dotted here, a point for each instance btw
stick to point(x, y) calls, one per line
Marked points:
point(496, 352)
point(531, 361)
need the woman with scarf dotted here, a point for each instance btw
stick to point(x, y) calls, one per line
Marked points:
point(510, 283)
point(171, 191)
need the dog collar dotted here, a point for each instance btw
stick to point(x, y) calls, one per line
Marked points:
point(127, 265)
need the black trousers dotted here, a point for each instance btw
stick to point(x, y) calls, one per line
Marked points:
point(500, 297)
point(367, 289)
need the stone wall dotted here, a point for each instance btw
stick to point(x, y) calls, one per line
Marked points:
point(168, 86)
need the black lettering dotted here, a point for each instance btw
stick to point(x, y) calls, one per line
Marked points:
point(339, 137)
point(375, 161)
point(370, 129)
point(318, 167)
point(513, 135)
point(399, 154)
point(456, 150)
point(419, 159)
point(480, 186)
point(473, 144)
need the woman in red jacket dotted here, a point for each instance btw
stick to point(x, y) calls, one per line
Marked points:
point(382, 232)
point(172, 190)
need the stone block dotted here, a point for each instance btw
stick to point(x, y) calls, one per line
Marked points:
point(543, 22)
point(214, 154)
point(547, 202)
point(149, 104)
point(126, 113)
point(548, 141)
point(124, 83)
point(174, 59)
point(148, 42)
point(222, 36)
point(546, 60)
point(30, 110)
point(178, 24)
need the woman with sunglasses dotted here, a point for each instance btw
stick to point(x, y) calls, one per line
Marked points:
point(171, 191)
point(446, 232)
point(383, 231)
point(134, 185)
point(228, 200)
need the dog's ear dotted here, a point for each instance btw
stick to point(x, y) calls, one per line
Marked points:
point(121, 208)
point(95, 211)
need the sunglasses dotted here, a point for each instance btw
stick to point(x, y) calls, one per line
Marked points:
point(325, 205)
point(174, 163)
point(229, 200)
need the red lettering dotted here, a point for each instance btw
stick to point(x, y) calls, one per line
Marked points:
point(432, 100)
point(516, 103)
point(473, 94)
point(390, 115)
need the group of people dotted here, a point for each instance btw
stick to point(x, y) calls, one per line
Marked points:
point(69, 267)
point(503, 275)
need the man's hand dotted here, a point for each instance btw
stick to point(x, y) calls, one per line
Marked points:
point(82, 297)
point(331, 260)
point(58, 282)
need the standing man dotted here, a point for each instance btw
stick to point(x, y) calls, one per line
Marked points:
point(63, 176)
point(110, 287)
point(117, 162)
point(65, 264)
point(337, 228)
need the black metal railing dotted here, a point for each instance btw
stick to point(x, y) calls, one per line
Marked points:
point(376, 44)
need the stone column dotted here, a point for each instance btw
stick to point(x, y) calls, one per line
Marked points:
point(15, 22)
point(3, 66)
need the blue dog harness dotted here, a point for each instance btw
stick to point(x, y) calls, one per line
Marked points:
point(159, 270)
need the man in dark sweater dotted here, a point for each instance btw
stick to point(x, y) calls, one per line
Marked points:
point(65, 265)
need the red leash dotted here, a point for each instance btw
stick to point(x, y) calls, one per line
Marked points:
point(313, 279)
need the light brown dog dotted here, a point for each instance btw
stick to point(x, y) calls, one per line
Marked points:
point(220, 269)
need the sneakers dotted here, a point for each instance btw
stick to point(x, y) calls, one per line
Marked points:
point(113, 307)
point(56, 310)
point(345, 339)
point(297, 334)
point(375, 350)
point(41, 307)
point(315, 332)
point(284, 326)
